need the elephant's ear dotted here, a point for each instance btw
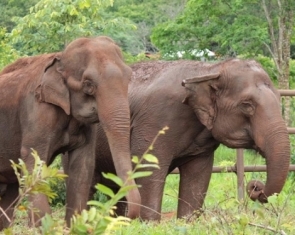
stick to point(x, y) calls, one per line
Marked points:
point(199, 96)
point(53, 88)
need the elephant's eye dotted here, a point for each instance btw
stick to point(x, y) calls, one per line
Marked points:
point(88, 87)
point(247, 108)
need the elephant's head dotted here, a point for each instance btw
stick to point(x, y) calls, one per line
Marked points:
point(238, 103)
point(89, 81)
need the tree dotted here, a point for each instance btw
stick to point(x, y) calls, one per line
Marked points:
point(12, 8)
point(145, 14)
point(7, 52)
point(280, 19)
point(51, 24)
point(228, 28)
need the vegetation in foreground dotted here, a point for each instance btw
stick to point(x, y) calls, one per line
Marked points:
point(223, 213)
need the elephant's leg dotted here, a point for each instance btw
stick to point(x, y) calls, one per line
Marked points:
point(7, 204)
point(40, 207)
point(194, 180)
point(80, 176)
point(151, 192)
point(121, 207)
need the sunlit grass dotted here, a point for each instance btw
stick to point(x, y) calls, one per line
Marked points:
point(223, 213)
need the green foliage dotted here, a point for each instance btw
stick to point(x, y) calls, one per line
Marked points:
point(7, 53)
point(148, 11)
point(130, 59)
point(223, 213)
point(52, 24)
point(52, 226)
point(33, 182)
point(12, 8)
point(145, 14)
point(269, 66)
point(60, 186)
point(48, 25)
point(292, 74)
point(227, 28)
point(37, 181)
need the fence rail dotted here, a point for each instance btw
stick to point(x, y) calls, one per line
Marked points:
point(239, 168)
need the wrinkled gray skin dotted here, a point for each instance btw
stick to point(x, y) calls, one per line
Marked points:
point(232, 102)
point(49, 103)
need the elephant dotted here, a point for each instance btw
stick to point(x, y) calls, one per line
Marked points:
point(51, 103)
point(204, 104)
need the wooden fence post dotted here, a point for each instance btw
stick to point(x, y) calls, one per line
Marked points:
point(240, 174)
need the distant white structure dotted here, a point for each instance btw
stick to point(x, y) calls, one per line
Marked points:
point(203, 55)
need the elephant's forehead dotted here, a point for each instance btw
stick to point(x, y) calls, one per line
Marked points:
point(255, 67)
point(249, 75)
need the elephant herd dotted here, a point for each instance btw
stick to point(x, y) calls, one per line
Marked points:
point(86, 102)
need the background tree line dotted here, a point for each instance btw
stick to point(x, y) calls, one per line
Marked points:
point(249, 28)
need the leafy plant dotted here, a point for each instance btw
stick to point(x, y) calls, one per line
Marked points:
point(30, 183)
point(7, 52)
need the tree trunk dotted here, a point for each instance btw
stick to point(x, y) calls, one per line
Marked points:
point(280, 45)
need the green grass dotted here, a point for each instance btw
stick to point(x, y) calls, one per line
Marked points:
point(223, 212)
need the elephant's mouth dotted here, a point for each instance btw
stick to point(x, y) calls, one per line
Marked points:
point(88, 119)
point(238, 143)
point(258, 150)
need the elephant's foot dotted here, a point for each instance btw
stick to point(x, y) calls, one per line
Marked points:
point(147, 214)
point(192, 217)
point(40, 207)
point(8, 198)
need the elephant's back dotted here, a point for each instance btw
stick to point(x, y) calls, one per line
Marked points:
point(153, 72)
point(145, 72)
point(29, 64)
point(164, 77)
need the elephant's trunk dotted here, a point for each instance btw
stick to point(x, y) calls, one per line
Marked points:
point(117, 129)
point(274, 145)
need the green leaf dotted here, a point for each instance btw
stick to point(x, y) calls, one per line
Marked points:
point(141, 174)
point(91, 214)
point(135, 159)
point(243, 220)
point(113, 178)
point(95, 203)
point(104, 189)
point(150, 158)
point(140, 166)
point(84, 215)
point(273, 198)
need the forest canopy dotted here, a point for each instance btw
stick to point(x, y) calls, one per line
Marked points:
point(250, 28)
